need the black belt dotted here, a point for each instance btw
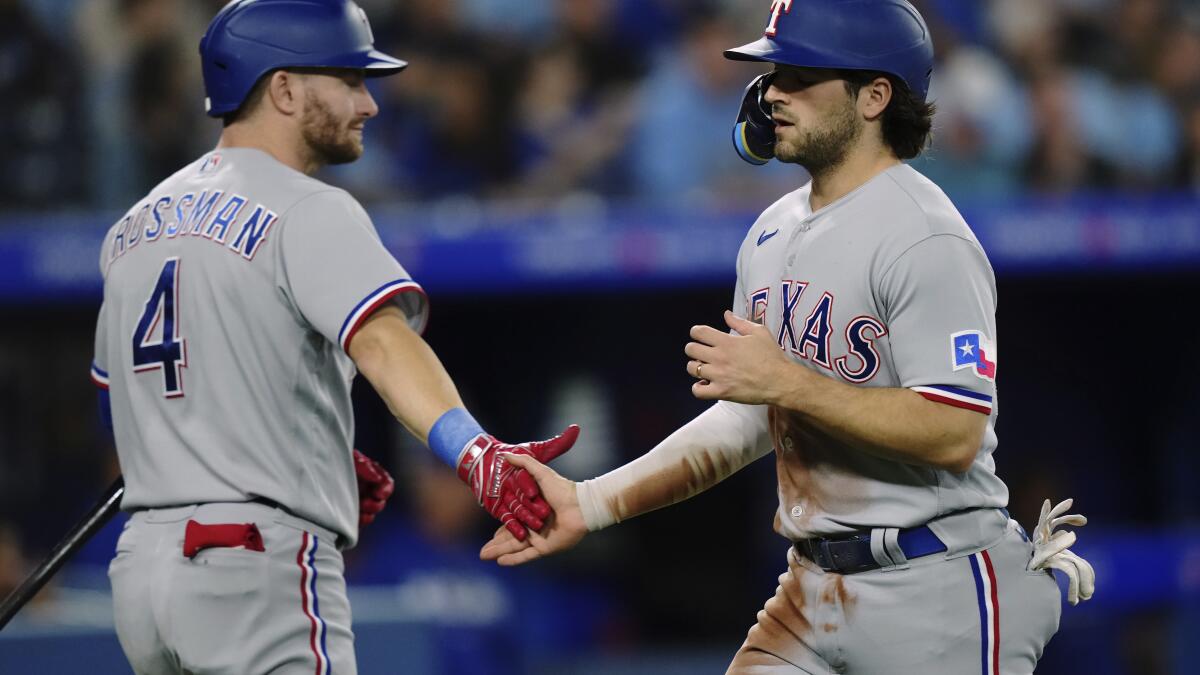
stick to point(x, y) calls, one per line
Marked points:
point(851, 554)
point(257, 500)
point(273, 504)
point(341, 541)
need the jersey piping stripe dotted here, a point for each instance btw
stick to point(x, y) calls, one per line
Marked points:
point(987, 595)
point(991, 574)
point(99, 377)
point(305, 558)
point(372, 302)
point(957, 397)
point(317, 608)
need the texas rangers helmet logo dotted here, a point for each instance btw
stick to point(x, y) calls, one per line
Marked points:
point(972, 349)
point(777, 7)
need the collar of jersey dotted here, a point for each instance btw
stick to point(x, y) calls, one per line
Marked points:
point(844, 199)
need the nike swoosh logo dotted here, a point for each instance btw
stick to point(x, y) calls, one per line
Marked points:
point(764, 236)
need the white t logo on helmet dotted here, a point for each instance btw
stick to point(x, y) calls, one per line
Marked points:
point(777, 7)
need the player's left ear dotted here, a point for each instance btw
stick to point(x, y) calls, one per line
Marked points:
point(873, 98)
point(284, 91)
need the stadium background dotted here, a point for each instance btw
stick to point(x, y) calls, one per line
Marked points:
point(559, 172)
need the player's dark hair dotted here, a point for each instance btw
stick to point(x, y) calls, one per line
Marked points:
point(253, 98)
point(907, 122)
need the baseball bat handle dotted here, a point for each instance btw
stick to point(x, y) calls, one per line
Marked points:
point(99, 515)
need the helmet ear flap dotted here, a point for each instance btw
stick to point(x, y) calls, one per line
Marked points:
point(754, 131)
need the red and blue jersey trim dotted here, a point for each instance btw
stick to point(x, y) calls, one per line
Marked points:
point(99, 377)
point(372, 302)
point(987, 596)
point(957, 397)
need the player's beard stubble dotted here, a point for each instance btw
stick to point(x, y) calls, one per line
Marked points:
point(330, 139)
point(823, 147)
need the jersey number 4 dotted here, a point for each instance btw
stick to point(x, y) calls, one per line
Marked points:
point(169, 354)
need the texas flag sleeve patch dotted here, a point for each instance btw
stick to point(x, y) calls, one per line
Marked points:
point(971, 349)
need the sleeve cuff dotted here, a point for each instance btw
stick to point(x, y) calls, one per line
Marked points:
point(373, 301)
point(957, 397)
point(596, 516)
point(99, 377)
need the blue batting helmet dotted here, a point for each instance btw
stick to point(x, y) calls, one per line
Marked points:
point(249, 38)
point(885, 35)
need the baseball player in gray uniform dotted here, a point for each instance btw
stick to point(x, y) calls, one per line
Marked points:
point(862, 349)
point(240, 297)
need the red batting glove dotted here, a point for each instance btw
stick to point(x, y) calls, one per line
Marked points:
point(510, 494)
point(375, 485)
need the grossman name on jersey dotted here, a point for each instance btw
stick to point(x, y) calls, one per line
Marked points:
point(194, 216)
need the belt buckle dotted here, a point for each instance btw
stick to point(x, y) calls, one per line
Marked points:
point(829, 556)
point(844, 563)
point(805, 548)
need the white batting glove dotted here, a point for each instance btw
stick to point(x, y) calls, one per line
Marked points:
point(1050, 550)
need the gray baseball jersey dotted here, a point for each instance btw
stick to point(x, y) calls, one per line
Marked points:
point(886, 287)
point(231, 292)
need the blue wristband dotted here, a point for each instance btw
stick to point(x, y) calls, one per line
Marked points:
point(451, 433)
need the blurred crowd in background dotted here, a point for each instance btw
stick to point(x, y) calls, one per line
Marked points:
point(545, 99)
point(542, 102)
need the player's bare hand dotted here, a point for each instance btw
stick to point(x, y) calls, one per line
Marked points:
point(502, 487)
point(563, 529)
point(745, 367)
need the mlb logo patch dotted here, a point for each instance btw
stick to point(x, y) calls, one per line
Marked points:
point(213, 161)
point(971, 349)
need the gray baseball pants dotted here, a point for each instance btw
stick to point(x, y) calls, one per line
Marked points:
point(229, 609)
point(974, 609)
